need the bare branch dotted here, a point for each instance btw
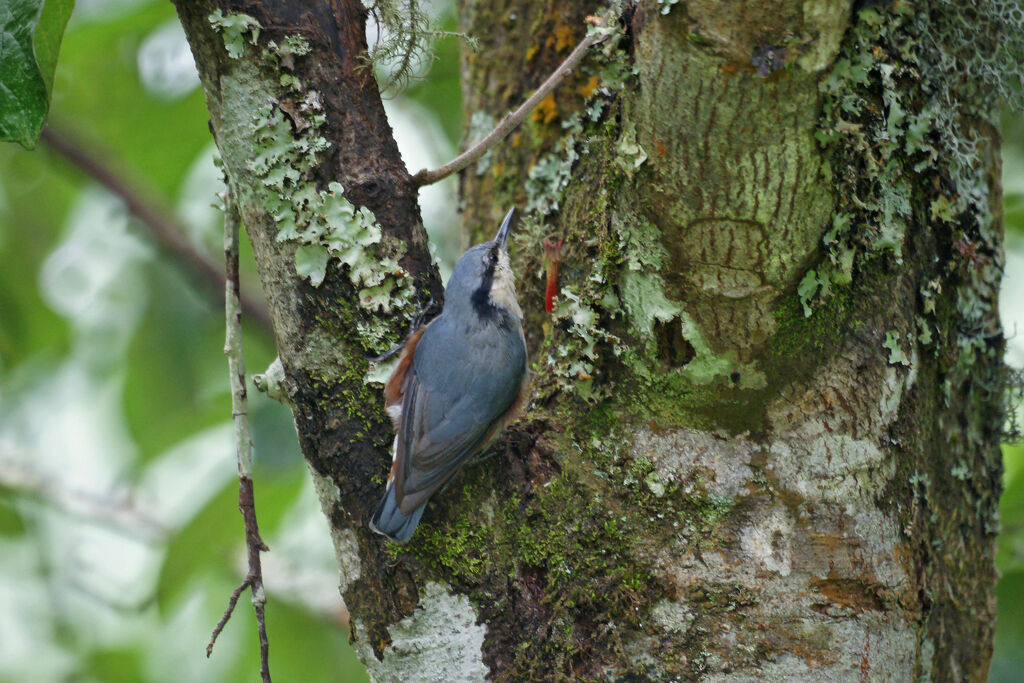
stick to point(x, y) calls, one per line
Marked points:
point(512, 121)
point(167, 232)
point(232, 601)
point(243, 441)
point(113, 509)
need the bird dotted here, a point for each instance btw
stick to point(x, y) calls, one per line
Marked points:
point(459, 380)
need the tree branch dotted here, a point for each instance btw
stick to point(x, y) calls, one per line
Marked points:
point(166, 231)
point(243, 442)
point(232, 601)
point(512, 121)
point(114, 509)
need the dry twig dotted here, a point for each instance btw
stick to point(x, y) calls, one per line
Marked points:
point(512, 121)
point(243, 443)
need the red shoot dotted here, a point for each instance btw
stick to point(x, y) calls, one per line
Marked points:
point(552, 254)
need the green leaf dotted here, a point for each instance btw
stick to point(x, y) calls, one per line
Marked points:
point(30, 35)
point(49, 33)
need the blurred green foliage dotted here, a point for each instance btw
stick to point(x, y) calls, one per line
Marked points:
point(120, 537)
point(113, 394)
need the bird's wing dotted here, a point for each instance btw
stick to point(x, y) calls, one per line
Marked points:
point(452, 406)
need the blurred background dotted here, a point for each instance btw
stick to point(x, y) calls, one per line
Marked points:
point(120, 538)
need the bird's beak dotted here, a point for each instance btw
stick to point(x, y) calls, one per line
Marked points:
point(506, 226)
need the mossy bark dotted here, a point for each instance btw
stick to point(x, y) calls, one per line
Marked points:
point(787, 485)
point(723, 472)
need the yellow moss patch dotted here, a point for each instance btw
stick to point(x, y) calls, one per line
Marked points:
point(546, 111)
point(561, 38)
point(588, 88)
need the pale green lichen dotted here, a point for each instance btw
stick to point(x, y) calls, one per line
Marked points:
point(440, 641)
point(705, 366)
point(643, 296)
point(233, 29)
point(379, 371)
point(573, 362)
point(550, 176)
point(896, 353)
point(324, 225)
point(404, 41)
point(667, 5)
point(294, 45)
point(631, 154)
point(272, 381)
point(879, 108)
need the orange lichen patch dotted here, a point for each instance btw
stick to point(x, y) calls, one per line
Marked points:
point(588, 88)
point(660, 147)
point(517, 139)
point(813, 657)
point(730, 68)
point(531, 52)
point(854, 594)
point(546, 111)
point(561, 38)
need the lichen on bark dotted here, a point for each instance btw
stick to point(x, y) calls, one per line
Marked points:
point(764, 434)
point(761, 440)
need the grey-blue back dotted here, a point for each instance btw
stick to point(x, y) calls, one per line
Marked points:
point(452, 403)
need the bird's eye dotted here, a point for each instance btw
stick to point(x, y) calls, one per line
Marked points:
point(492, 256)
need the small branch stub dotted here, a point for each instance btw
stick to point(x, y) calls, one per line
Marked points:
point(272, 382)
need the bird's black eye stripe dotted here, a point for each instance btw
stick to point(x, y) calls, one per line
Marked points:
point(481, 297)
point(492, 256)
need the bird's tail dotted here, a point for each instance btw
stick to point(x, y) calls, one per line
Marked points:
point(389, 521)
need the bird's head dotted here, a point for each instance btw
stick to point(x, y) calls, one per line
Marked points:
point(482, 283)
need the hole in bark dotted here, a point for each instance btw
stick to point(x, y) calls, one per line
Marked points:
point(673, 349)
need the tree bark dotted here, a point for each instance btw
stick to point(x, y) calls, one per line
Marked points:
point(763, 433)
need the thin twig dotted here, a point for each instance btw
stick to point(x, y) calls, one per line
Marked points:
point(232, 601)
point(243, 441)
point(512, 121)
point(167, 232)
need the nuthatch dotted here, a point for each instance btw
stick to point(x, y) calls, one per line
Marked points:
point(458, 381)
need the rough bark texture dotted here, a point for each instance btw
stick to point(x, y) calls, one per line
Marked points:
point(763, 435)
point(339, 420)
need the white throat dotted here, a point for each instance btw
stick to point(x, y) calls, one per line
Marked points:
point(503, 287)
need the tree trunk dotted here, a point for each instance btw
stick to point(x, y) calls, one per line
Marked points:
point(762, 440)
